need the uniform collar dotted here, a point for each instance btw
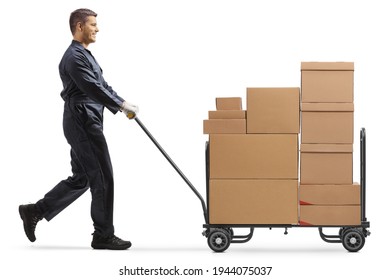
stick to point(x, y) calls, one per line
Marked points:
point(79, 46)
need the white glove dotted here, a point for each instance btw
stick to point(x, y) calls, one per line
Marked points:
point(129, 110)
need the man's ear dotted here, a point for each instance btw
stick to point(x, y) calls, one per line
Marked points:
point(79, 26)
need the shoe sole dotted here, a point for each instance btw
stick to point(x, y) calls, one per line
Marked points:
point(23, 216)
point(108, 247)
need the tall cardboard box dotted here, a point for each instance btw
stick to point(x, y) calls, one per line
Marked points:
point(273, 110)
point(326, 164)
point(253, 201)
point(253, 156)
point(327, 123)
point(328, 82)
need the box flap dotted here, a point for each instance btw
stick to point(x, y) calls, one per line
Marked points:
point(326, 148)
point(327, 107)
point(324, 66)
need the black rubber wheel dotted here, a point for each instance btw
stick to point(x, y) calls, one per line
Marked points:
point(353, 240)
point(219, 240)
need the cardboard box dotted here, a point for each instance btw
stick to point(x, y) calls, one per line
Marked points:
point(228, 103)
point(254, 156)
point(329, 194)
point(329, 82)
point(320, 215)
point(327, 123)
point(217, 126)
point(227, 114)
point(253, 202)
point(273, 110)
point(326, 164)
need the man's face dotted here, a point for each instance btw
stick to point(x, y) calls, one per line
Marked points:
point(89, 30)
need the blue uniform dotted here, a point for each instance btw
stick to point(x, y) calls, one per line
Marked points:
point(85, 93)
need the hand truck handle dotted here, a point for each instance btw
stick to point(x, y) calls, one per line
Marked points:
point(175, 167)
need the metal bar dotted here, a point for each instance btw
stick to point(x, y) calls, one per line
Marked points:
point(207, 157)
point(174, 166)
point(327, 238)
point(363, 174)
point(245, 238)
point(254, 225)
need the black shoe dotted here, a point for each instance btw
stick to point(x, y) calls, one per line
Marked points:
point(30, 216)
point(111, 242)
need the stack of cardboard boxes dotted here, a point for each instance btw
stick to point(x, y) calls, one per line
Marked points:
point(327, 194)
point(229, 117)
point(254, 158)
point(254, 154)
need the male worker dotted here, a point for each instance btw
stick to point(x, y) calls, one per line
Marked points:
point(85, 93)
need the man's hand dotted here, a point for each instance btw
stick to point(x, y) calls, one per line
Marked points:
point(129, 110)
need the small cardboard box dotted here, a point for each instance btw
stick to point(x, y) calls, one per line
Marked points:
point(326, 164)
point(329, 82)
point(273, 110)
point(227, 114)
point(328, 123)
point(254, 156)
point(334, 215)
point(329, 194)
point(253, 202)
point(218, 126)
point(228, 103)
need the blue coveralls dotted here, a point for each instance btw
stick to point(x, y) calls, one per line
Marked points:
point(85, 93)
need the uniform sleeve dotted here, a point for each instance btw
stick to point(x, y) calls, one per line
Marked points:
point(84, 77)
point(107, 87)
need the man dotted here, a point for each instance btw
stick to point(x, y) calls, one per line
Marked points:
point(85, 93)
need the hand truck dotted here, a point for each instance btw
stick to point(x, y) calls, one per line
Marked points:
point(219, 237)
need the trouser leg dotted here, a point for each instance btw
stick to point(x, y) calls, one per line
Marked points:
point(85, 135)
point(65, 192)
point(95, 158)
point(102, 188)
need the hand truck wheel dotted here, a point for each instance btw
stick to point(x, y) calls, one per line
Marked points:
point(219, 240)
point(353, 240)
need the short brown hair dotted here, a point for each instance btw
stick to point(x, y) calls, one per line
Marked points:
point(79, 15)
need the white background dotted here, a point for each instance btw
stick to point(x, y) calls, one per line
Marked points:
point(172, 58)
